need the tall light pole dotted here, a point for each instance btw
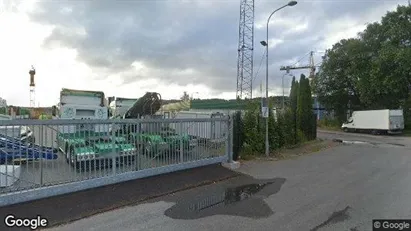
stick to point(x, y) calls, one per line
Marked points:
point(265, 43)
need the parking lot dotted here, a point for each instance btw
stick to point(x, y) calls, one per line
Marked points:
point(42, 172)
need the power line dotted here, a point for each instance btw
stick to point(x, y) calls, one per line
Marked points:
point(301, 59)
point(259, 67)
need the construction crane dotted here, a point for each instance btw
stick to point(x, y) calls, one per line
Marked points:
point(310, 66)
point(245, 50)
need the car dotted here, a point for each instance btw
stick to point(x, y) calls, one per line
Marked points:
point(23, 133)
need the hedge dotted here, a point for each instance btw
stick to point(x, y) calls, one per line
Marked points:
point(294, 124)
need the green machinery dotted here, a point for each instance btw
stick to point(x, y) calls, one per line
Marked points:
point(121, 140)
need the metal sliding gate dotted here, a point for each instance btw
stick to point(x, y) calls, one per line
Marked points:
point(43, 158)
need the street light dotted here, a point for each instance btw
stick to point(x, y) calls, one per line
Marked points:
point(265, 43)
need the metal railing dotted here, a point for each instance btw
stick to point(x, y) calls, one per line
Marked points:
point(43, 158)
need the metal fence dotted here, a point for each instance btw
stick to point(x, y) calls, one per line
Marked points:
point(43, 158)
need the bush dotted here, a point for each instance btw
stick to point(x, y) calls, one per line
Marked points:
point(294, 124)
point(329, 123)
point(281, 133)
point(286, 127)
point(253, 135)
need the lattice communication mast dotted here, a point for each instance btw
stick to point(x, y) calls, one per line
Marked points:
point(32, 73)
point(245, 50)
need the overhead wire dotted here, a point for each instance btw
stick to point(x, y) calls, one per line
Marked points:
point(263, 56)
point(259, 67)
point(301, 59)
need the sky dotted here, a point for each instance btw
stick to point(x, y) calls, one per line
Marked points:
point(128, 47)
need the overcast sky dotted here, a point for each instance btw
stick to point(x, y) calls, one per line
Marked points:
point(128, 47)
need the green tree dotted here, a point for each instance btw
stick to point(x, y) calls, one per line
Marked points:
point(300, 102)
point(372, 71)
point(293, 95)
point(293, 107)
point(309, 111)
point(304, 107)
point(253, 136)
point(339, 82)
point(185, 96)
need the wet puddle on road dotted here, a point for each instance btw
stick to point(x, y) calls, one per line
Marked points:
point(243, 200)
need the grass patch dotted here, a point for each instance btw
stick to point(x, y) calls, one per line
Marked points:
point(331, 128)
point(300, 149)
point(247, 157)
point(292, 151)
point(405, 134)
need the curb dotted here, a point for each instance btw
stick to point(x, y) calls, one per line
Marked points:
point(86, 203)
point(231, 165)
point(338, 140)
point(331, 132)
point(350, 141)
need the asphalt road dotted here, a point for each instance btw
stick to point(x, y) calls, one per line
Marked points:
point(342, 188)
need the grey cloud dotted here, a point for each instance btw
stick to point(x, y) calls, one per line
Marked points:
point(317, 14)
point(172, 36)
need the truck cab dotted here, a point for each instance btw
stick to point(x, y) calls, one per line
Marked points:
point(83, 105)
point(76, 141)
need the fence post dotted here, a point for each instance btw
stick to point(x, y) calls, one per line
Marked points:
point(114, 151)
point(181, 143)
point(41, 156)
point(138, 141)
point(237, 135)
point(229, 141)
